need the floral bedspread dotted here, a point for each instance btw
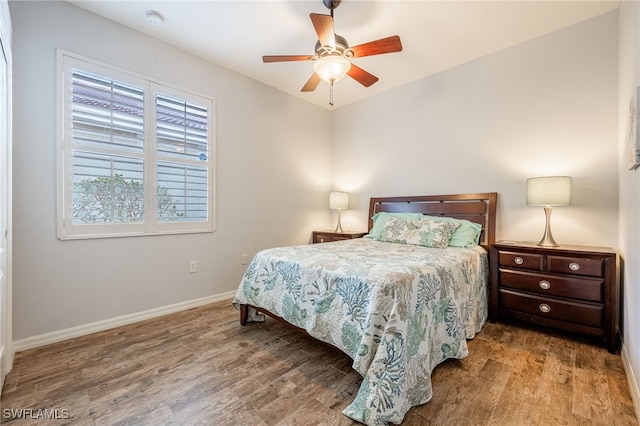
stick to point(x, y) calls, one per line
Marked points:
point(397, 310)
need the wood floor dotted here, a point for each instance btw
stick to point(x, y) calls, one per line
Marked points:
point(200, 367)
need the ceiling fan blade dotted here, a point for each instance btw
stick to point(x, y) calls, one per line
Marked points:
point(323, 25)
point(377, 47)
point(361, 76)
point(286, 58)
point(312, 83)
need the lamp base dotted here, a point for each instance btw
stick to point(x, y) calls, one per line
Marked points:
point(339, 226)
point(547, 239)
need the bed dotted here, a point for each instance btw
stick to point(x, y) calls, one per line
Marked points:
point(398, 302)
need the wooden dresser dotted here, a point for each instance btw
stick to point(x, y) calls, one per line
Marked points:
point(328, 236)
point(573, 288)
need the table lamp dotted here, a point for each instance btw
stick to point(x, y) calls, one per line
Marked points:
point(338, 201)
point(549, 191)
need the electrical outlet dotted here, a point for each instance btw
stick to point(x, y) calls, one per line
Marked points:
point(193, 266)
point(245, 259)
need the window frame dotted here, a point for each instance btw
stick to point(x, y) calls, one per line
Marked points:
point(66, 229)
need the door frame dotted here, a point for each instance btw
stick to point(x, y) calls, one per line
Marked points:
point(6, 336)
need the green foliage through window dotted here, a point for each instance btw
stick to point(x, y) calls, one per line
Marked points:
point(114, 199)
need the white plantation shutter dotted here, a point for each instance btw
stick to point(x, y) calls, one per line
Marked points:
point(108, 116)
point(182, 139)
point(181, 128)
point(107, 188)
point(187, 186)
point(106, 113)
point(134, 155)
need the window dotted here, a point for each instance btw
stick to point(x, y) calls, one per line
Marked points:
point(135, 156)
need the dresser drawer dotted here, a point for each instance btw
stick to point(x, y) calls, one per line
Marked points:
point(576, 265)
point(561, 310)
point(521, 260)
point(551, 285)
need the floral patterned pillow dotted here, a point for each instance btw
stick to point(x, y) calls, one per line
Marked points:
point(432, 233)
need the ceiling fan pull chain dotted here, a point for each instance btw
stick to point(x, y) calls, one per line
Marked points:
point(331, 94)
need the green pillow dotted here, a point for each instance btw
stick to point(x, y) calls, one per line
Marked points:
point(467, 235)
point(379, 220)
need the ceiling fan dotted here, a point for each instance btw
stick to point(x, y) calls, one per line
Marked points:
point(333, 53)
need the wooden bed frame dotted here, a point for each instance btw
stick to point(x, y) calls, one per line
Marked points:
point(478, 208)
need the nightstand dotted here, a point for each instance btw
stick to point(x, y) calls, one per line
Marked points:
point(573, 288)
point(328, 236)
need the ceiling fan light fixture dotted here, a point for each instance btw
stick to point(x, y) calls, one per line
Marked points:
point(331, 68)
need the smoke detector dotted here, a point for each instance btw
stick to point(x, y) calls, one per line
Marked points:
point(154, 18)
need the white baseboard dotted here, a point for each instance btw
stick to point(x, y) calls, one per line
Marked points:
point(82, 330)
point(631, 379)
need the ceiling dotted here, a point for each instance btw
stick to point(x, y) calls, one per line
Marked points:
point(436, 35)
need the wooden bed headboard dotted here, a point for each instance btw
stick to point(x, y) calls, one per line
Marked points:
point(479, 208)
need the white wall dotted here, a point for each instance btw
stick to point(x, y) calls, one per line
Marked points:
point(629, 78)
point(544, 107)
point(273, 176)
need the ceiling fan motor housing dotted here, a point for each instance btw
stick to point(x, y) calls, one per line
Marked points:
point(342, 48)
point(331, 4)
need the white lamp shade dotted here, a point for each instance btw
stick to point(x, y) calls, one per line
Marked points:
point(549, 191)
point(331, 68)
point(338, 200)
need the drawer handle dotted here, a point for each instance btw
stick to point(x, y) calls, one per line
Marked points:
point(574, 266)
point(544, 308)
point(545, 285)
point(518, 260)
